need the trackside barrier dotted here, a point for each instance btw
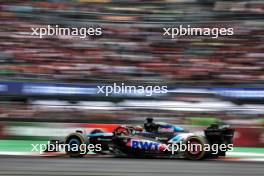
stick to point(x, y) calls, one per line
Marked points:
point(244, 136)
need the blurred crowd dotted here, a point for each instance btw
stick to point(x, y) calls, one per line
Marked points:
point(132, 46)
point(108, 112)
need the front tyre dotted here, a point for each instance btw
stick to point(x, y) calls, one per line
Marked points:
point(75, 145)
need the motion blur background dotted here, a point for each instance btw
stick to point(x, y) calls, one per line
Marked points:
point(48, 86)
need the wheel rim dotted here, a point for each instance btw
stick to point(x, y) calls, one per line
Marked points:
point(195, 150)
point(195, 153)
point(73, 143)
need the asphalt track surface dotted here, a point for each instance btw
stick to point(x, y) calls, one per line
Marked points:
point(18, 165)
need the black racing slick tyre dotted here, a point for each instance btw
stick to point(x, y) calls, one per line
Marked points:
point(195, 148)
point(75, 145)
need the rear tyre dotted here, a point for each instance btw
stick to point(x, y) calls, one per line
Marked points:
point(195, 148)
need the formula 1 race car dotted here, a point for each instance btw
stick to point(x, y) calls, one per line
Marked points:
point(169, 141)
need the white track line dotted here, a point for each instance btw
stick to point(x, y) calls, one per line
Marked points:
point(230, 154)
point(19, 153)
point(245, 154)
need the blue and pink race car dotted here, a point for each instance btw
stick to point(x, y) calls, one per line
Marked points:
point(167, 140)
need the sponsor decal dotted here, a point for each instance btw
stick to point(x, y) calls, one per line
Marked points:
point(147, 145)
